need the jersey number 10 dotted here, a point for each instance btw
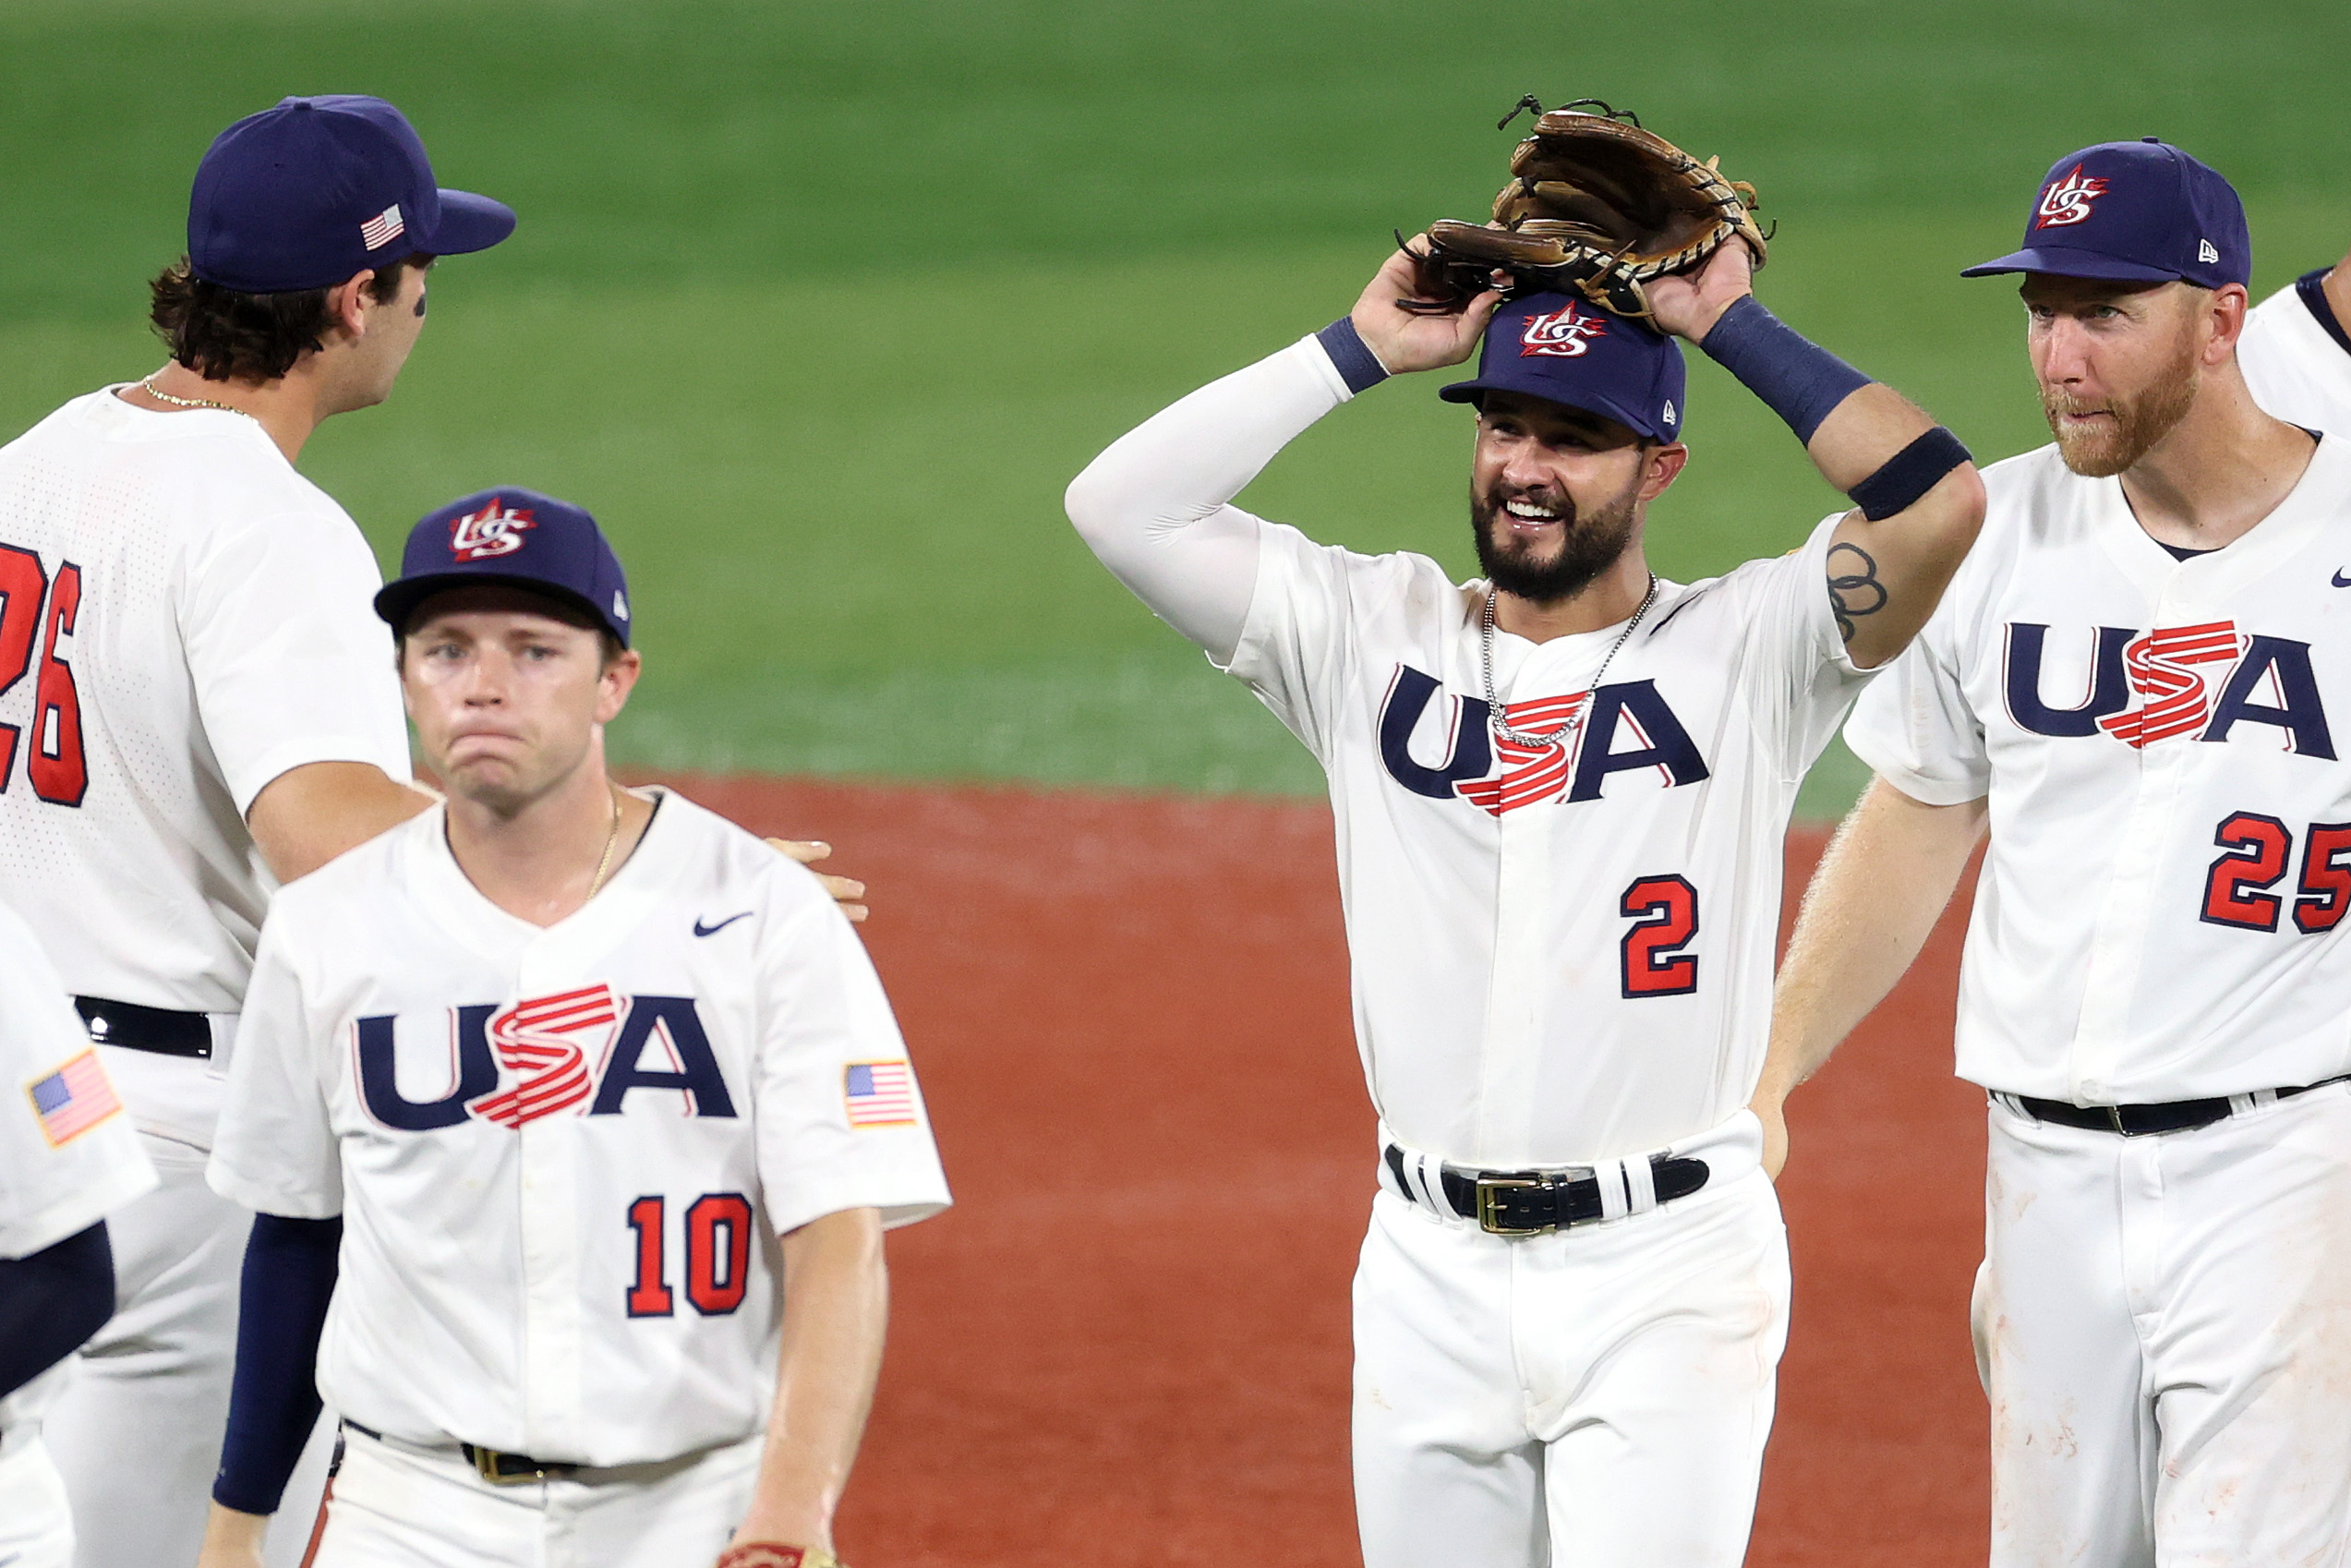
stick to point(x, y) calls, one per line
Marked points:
point(54, 761)
point(717, 1255)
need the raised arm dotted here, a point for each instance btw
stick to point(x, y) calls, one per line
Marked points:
point(1154, 507)
point(1917, 498)
point(1878, 891)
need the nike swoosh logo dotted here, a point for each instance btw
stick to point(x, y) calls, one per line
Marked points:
point(2340, 580)
point(702, 930)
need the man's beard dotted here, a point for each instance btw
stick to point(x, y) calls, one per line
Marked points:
point(2107, 447)
point(1589, 544)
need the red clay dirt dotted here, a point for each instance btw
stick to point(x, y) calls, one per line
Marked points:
point(1127, 1342)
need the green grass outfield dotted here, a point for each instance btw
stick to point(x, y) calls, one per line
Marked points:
point(818, 306)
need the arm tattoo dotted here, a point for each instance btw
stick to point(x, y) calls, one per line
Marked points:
point(1853, 593)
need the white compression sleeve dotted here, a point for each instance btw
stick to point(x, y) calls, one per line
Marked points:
point(1154, 507)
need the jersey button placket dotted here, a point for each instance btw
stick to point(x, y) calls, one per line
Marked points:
point(547, 1160)
point(2118, 944)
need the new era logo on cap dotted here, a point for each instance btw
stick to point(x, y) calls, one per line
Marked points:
point(496, 529)
point(2067, 202)
point(2207, 252)
point(383, 228)
point(1567, 333)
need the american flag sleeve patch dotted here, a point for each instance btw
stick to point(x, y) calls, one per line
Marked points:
point(879, 1094)
point(74, 1099)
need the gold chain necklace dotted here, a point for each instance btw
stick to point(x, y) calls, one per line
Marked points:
point(611, 840)
point(148, 387)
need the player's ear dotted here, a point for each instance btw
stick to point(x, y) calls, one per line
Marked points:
point(2225, 312)
point(348, 304)
point(1661, 465)
point(613, 686)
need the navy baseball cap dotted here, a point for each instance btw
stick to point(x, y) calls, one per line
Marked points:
point(1561, 348)
point(307, 194)
point(2141, 211)
point(516, 537)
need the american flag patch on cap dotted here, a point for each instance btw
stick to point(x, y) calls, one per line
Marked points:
point(383, 228)
point(74, 1099)
point(879, 1094)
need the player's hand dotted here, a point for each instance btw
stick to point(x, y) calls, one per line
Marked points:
point(848, 892)
point(1690, 305)
point(1774, 1116)
point(231, 1538)
point(1406, 342)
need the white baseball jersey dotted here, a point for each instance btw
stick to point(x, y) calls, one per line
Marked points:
point(183, 618)
point(67, 1154)
point(2297, 356)
point(2170, 816)
point(1559, 956)
point(561, 1155)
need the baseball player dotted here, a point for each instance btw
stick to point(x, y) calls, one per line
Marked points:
point(2136, 684)
point(585, 1092)
point(193, 707)
point(1560, 795)
point(68, 1158)
point(2296, 350)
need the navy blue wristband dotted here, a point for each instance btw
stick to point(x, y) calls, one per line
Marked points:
point(1358, 367)
point(290, 1268)
point(1903, 478)
point(1796, 378)
point(51, 1301)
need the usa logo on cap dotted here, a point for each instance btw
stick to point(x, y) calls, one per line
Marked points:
point(495, 530)
point(2067, 202)
point(1566, 334)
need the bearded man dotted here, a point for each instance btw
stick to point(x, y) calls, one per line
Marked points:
point(2131, 683)
point(1559, 793)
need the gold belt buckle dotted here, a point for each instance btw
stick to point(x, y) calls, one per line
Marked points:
point(485, 1465)
point(1490, 1221)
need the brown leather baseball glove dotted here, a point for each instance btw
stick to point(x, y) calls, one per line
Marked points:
point(1595, 205)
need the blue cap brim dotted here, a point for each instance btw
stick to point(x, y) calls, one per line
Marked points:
point(397, 601)
point(2060, 262)
point(469, 222)
point(1470, 392)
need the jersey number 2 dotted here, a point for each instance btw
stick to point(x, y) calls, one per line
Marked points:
point(717, 1255)
point(54, 761)
point(1664, 910)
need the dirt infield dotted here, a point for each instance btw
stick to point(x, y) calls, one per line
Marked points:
point(1128, 1343)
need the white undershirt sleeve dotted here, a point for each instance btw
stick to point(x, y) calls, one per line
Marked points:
point(1155, 507)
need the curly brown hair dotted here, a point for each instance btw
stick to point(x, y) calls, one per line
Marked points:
point(223, 335)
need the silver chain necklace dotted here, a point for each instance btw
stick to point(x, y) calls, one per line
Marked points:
point(1499, 721)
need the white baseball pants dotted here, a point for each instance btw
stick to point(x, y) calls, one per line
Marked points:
point(136, 1429)
point(1597, 1397)
point(36, 1526)
point(2164, 1327)
point(397, 1505)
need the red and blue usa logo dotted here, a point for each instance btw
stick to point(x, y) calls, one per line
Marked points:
point(1565, 335)
point(495, 530)
point(2067, 202)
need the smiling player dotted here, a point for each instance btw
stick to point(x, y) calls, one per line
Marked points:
point(1561, 793)
point(573, 1098)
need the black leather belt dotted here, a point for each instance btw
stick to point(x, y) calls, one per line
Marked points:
point(2139, 1121)
point(1534, 1202)
point(499, 1468)
point(160, 1029)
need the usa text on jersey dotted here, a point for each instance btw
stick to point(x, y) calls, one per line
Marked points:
point(2202, 681)
point(1579, 760)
